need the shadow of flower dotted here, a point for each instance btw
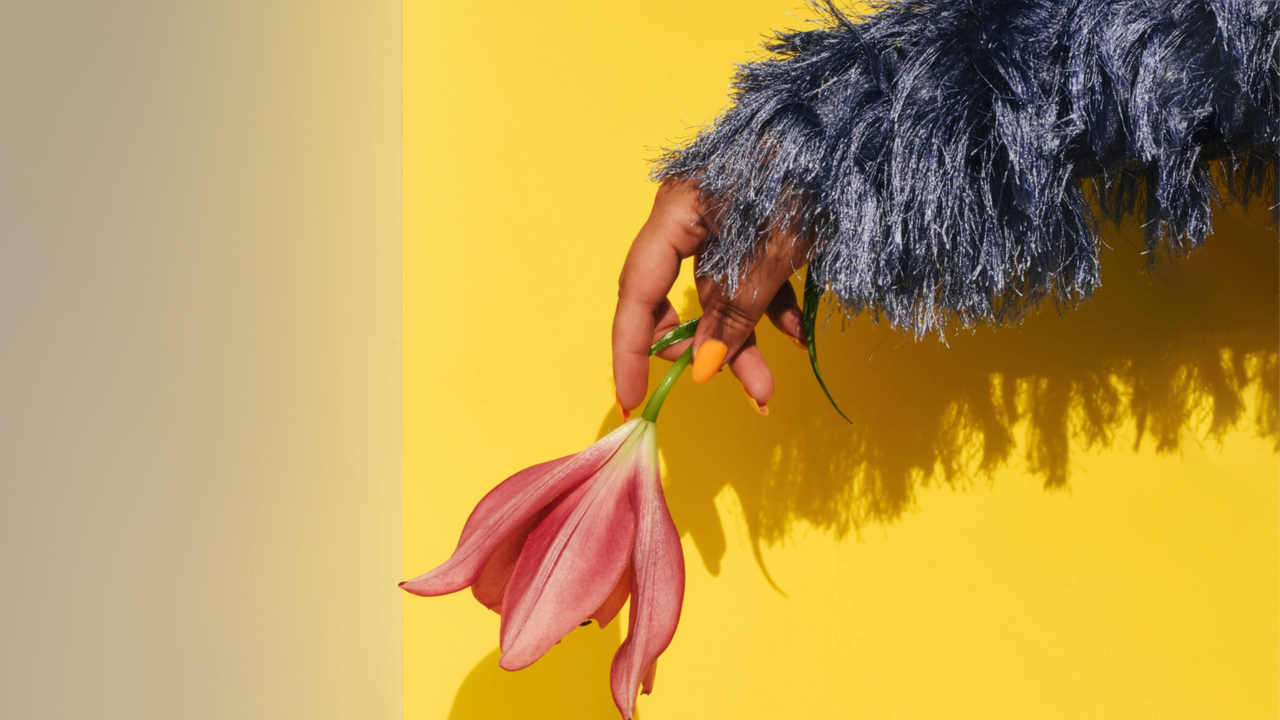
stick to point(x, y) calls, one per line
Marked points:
point(570, 681)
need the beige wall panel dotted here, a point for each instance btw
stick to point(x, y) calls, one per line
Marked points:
point(199, 359)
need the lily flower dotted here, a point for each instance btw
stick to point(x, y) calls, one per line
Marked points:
point(571, 539)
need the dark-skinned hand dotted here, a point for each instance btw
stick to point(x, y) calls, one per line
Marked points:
point(677, 228)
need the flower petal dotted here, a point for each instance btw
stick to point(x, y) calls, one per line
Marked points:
point(657, 590)
point(492, 583)
point(646, 686)
point(608, 609)
point(571, 563)
point(508, 506)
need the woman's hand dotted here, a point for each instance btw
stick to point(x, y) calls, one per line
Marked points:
point(677, 228)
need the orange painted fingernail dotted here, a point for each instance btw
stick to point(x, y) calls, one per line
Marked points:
point(623, 413)
point(710, 358)
point(757, 406)
point(796, 341)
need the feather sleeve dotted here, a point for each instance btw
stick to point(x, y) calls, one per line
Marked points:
point(950, 159)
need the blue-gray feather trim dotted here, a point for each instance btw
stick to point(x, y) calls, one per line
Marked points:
point(946, 156)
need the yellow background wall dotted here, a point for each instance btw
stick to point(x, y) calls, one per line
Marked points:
point(1075, 518)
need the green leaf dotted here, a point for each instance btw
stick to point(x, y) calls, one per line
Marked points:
point(683, 331)
point(809, 313)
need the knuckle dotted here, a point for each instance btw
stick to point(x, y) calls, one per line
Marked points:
point(733, 318)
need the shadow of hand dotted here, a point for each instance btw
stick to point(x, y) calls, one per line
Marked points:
point(1164, 355)
point(1159, 355)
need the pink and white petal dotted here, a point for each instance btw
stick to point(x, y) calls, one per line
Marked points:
point(646, 686)
point(569, 567)
point(657, 592)
point(497, 516)
point(608, 609)
point(492, 583)
point(507, 507)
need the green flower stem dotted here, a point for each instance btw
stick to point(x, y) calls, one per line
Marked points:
point(683, 331)
point(660, 394)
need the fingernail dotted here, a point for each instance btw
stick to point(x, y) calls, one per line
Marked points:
point(710, 358)
point(623, 413)
point(762, 409)
point(796, 341)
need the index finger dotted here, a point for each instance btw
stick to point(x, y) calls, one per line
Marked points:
point(675, 230)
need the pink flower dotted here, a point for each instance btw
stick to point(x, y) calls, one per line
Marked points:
point(568, 540)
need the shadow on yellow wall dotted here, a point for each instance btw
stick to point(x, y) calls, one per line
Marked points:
point(570, 681)
point(1163, 357)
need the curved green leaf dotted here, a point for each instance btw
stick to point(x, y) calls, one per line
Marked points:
point(809, 314)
